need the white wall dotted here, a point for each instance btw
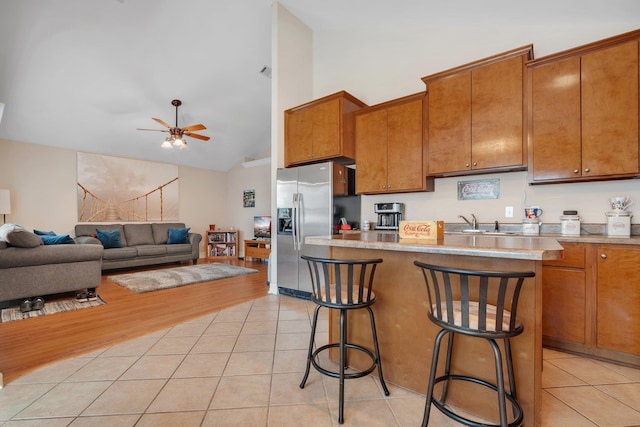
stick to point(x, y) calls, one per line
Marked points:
point(43, 181)
point(379, 66)
point(292, 84)
point(242, 178)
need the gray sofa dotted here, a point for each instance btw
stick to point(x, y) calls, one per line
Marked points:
point(141, 244)
point(27, 272)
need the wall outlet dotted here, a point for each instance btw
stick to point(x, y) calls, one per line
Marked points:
point(508, 212)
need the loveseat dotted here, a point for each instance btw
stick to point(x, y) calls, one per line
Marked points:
point(135, 244)
point(29, 269)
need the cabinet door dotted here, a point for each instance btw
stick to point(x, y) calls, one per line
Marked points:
point(565, 281)
point(299, 136)
point(618, 293)
point(371, 152)
point(340, 180)
point(405, 147)
point(326, 130)
point(496, 119)
point(610, 111)
point(556, 147)
point(561, 320)
point(450, 124)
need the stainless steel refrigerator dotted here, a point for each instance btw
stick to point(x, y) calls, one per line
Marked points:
point(306, 207)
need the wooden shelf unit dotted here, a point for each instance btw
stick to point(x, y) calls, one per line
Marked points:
point(222, 243)
point(257, 249)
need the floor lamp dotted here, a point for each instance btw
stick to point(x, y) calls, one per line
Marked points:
point(5, 204)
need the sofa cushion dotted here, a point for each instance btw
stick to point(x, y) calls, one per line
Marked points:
point(161, 231)
point(178, 249)
point(62, 239)
point(110, 238)
point(138, 234)
point(91, 229)
point(12, 257)
point(178, 236)
point(16, 235)
point(152, 250)
point(44, 233)
point(128, 252)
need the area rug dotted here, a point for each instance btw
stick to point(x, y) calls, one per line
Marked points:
point(50, 307)
point(153, 280)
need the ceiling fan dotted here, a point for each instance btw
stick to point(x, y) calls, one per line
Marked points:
point(177, 134)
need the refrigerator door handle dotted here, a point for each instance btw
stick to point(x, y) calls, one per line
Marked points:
point(300, 220)
point(294, 222)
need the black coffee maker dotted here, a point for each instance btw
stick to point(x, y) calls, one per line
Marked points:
point(389, 215)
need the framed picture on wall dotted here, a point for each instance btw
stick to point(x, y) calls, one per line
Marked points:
point(249, 198)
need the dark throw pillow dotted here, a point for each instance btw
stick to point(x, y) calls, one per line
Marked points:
point(63, 239)
point(110, 238)
point(178, 236)
point(44, 233)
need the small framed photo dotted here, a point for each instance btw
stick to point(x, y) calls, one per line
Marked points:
point(249, 198)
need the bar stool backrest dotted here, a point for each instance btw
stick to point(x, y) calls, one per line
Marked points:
point(469, 301)
point(338, 283)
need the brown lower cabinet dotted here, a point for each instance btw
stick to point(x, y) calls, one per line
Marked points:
point(591, 299)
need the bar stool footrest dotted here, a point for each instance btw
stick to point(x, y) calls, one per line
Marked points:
point(517, 409)
point(350, 375)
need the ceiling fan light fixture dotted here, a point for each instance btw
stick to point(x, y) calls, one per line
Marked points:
point(167, 143)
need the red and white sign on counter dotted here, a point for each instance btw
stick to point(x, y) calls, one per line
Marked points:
point(431, 230)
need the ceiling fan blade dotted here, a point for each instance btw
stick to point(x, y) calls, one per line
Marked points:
point(155, 130)
point(162, 123)
point(196, 136)
point(193, 128)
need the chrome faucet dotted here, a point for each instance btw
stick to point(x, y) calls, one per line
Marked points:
point(473, 223)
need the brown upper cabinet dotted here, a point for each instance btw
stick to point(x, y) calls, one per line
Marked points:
point(321, 130)
point(584, 112)
point(390, 147)
point(475, 116)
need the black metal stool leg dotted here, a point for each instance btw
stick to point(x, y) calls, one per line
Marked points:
point(502, 405)
point(447, 368)
point(432, 375)
point(377, 350)
point(343, 362)
point(311, 342)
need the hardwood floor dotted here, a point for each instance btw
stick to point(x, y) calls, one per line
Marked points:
point(32, 343)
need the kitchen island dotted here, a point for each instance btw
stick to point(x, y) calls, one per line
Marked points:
point(405, 332)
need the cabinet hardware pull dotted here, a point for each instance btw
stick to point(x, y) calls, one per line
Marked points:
point(475, 163)
point(576, 170)
point(603, 256)
point(466, 165)
point(587, 170)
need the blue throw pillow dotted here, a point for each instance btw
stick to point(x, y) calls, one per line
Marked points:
point(63, 239)
point(44, 233)
point(110, 238)
point(178, 236)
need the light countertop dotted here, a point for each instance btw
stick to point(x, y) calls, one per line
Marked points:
point(503, 246)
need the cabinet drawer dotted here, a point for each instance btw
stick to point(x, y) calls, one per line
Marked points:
point(572, 256)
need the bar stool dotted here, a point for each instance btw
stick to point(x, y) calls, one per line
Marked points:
point(343, 285)
point(477, 304)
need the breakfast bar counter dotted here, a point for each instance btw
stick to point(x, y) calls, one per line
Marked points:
point(405, 332)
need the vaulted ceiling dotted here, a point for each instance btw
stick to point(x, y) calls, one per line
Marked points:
point(84, 74)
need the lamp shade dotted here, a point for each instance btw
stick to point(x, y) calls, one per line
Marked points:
point(5, 202)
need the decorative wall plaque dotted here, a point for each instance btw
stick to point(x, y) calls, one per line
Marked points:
point(479, 189)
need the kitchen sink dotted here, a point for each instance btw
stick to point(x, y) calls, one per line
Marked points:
point(483, 232)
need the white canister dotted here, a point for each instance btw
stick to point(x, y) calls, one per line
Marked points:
point(366, 226)
point(530, 226)
point(619, 223)
point(570, 225)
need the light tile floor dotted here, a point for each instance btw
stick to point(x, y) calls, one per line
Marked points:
point(242, 367)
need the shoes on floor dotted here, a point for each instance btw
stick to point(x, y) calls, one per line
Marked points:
point(86, 296)
point(31, 304)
